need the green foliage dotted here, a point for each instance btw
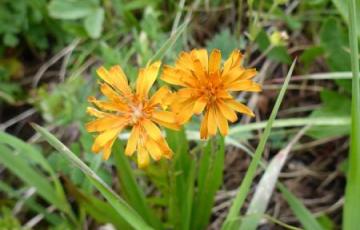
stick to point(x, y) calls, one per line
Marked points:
point(334, 105)
point(278, 52)
point(226, 42)
point(209, 179)
point(7, 220)
point(89, 11)
point(65, 103)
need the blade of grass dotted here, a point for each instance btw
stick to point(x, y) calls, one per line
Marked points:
point(351, 212)
point(127, 212)
point(132, 192)
point(292, 122)
point(250, 173)
point(181, 180)
point(98, 209)
point(33, 154)
point(169, 43)
point(266, 186)
point(32, 177)
point(301, 212)
point(209, 180)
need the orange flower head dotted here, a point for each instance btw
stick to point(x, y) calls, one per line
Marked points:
point(206, 87)
point(125, 108)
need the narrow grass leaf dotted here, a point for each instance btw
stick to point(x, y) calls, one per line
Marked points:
point(17, 165)
point(127, 212)
point(96, 208)
point(249, 176)
point(129, 187)
point(351, 215)
point(28, 151)
point(301, 212)
point(181, 180)
point(265, 188)
point(169, 43)
point(209, 180)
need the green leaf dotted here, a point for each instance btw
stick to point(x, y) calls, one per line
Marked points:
point(310, 54)
point(210, 178)
point(131, 190)
point(98, 209)
point(351, 214)
point(71, 9)
point(265, 187)
point(305, 217)
point(334, 105)
point(343, 8)
point(224, 41)
point(93, 23)
point(250, 173)
point(168, 44)
point(32, 177)
point(127, 212)
point(181, 180)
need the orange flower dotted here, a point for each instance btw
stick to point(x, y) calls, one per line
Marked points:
point(206, 86)
point(123, 109)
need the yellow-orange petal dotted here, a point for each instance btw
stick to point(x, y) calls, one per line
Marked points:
point(184, 61)
point(185, 113)
point(153, 149)
point(200, 105)
point(107, 149)
point(142, 157)
point(172, 75)
point(105, 123)
point(110, 93)
point(151, 129)
point(203, 127)
point(146, 79)
point(112, 80)
point(239, 107)
point(211, 123)
point(132, 141)
point(119, 74)
point(221, 122)
point(202, 55)
point(233, 61)
point(102, 139)
point(96, 113)
point(165, 116)
point(245, 85)
point(226, 111)
point(214, 61)
point(160, 95)
point(109, 106)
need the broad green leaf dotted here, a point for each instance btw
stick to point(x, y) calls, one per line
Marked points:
point(210, 178)
point(93, 23)
point(71, 9)
point(224, 41)
point(126, 211)
point(334, 105)
point(250, 173)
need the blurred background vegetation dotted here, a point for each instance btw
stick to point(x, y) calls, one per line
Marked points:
point(49, 51)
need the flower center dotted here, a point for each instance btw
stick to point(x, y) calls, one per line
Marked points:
point(210, 90)
point(136, 112)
